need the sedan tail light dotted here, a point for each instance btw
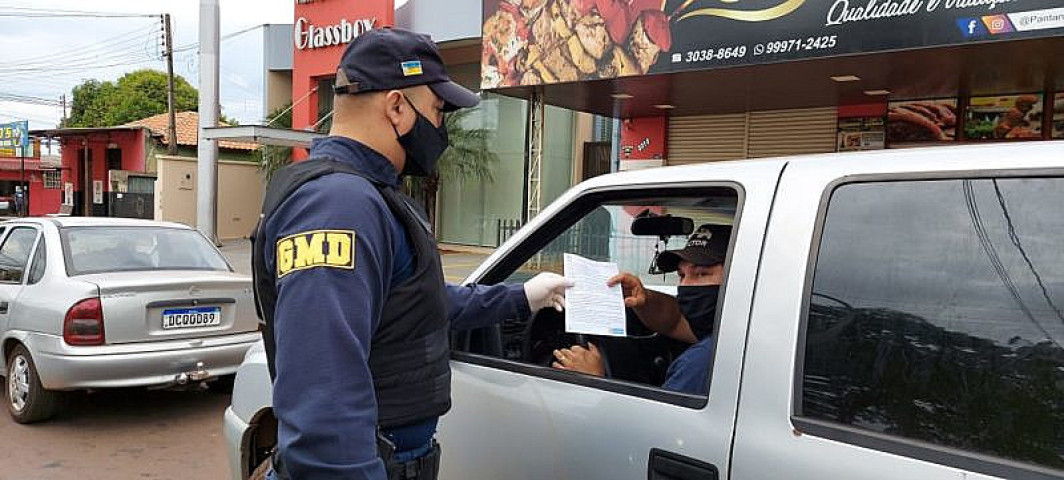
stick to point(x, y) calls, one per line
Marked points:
point(83, 325)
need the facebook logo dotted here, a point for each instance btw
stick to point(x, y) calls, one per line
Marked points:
point(971, 27)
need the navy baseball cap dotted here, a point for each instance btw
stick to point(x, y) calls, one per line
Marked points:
point(394, 59)
point(706, 247)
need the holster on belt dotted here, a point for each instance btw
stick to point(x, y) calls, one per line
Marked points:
point(427, 467)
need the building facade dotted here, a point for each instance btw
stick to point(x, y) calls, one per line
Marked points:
point(469, 211)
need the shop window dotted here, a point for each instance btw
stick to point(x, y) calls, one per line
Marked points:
point(1010, 117)
point(1058, 115)
point(53, 180)
point(325, 105)
point(936, 314)
point(639, 361)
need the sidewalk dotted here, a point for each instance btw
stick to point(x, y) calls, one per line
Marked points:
point(458, 262)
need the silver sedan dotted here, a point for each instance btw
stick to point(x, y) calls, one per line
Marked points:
point(89, 303)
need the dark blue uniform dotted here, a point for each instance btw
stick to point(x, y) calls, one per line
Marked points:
point(689, 373)
point(326, 316)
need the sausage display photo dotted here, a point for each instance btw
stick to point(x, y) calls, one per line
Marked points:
point(922, 121)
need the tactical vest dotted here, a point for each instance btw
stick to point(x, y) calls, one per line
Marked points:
point(409, 352)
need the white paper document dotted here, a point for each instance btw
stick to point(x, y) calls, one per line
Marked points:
point(590, 306)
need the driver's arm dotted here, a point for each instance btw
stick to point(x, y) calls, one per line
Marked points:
point(658, 311)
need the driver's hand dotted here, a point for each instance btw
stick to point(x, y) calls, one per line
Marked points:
point(634, 293)
point(580, 359)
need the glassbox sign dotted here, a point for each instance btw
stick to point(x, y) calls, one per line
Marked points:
point(309, 36)
point(530, 42)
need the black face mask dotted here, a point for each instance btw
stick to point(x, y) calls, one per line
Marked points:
point(423, 144)
point(699, 306)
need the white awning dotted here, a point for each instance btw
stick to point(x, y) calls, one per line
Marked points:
point(280, 137)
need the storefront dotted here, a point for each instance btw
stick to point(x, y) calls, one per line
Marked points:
point(94, 180)
point(470, 210)
point(698, 81)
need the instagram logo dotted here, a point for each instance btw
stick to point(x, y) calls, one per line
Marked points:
point(998, 24)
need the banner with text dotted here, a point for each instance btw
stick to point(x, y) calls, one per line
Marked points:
point(532, 42)
point(15, 140)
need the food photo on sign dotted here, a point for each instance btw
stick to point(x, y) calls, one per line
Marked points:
point(922, 121)
point(1012, 117)
point(533, 42)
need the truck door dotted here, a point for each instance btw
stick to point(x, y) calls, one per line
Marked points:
point(517, 417)
point(908, 320)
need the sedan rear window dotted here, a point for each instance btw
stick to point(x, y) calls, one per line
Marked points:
point(123, 249)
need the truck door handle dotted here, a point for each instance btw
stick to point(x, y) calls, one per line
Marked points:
point(3, 308)
point(665, 465)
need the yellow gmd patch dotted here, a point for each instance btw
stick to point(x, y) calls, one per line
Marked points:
point(318, 248)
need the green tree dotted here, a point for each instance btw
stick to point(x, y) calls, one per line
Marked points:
point(136, 95)
point(275, 158)
point(468, 158)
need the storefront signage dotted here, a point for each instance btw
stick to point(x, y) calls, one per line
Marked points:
point(310, 36)
point(530, 42)
point(15, 140)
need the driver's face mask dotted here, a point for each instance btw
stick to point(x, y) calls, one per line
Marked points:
point(699, 306)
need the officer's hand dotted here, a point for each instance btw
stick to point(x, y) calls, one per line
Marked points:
point(635, 295)
point(580, 359)
point(547, 290)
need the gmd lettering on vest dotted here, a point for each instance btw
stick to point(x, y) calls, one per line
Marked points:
point(319, 248)
point(310, 36)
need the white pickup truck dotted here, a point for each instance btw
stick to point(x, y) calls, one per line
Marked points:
point(894, 314)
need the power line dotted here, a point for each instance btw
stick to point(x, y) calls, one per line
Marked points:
point(125, 39)
point(191, 46)
point(995, 260)
point(14, 97)
point(31, 12)
point(1015, 239)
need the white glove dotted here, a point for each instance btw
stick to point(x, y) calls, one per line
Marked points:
point(547, 290)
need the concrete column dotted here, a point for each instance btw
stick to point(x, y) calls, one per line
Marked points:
point(209, 108)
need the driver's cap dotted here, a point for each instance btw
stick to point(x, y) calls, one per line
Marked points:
point(707, 246)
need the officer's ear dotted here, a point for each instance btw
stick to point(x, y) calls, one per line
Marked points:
point(398, 111)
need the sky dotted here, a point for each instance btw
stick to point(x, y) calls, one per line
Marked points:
point(45, 57)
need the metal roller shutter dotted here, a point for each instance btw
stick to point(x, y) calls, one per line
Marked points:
point(775, 133)
point(792, 132)
point(706, 138)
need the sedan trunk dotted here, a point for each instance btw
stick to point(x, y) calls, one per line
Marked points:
point(171, 305)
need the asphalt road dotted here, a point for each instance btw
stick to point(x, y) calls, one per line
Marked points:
point(138, 434)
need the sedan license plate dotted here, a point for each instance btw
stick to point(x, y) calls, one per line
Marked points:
point(192, 317)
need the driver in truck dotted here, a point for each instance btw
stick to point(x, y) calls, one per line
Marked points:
point(687, 317)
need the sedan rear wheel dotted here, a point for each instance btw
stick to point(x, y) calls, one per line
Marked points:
point(27, 400)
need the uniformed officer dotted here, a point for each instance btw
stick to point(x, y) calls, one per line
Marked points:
point(349, 282)
point(687, 317)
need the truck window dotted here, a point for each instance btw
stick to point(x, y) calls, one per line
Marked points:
point(936, 314)
point(602, 230)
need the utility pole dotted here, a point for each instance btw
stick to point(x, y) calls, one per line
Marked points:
point(63, 98)
point(207, 179)
point(172, 131)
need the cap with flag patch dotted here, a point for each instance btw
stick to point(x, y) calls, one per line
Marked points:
point(394, 59)
point(708, 246)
